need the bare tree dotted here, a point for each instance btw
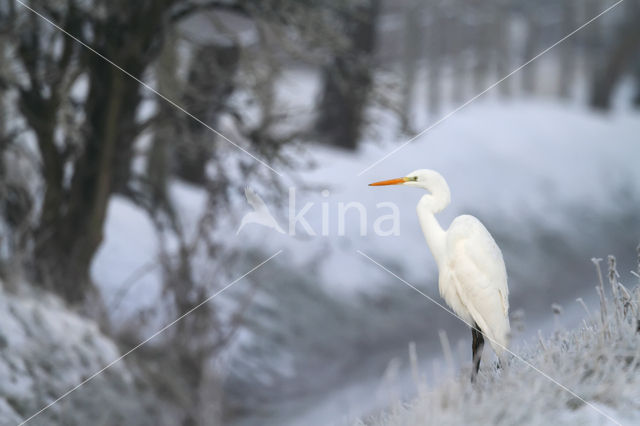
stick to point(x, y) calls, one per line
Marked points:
point(82, 168)
point(347, 77)
point(532, 42)
point(411, 55)
point(593, 37)
point(84, 115)
point(621, 56)
point(481, 40)
point(501, 43)
point(434, 54)
point(456, 46)
point(567, 61)
point(206, 98)
point(636, 99)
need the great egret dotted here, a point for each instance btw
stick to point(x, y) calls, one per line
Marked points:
point(472, 275)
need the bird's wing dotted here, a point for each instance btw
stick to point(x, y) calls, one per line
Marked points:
point(480, 274)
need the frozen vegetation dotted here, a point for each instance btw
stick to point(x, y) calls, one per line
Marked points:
point(46, 349)
point(599, 362)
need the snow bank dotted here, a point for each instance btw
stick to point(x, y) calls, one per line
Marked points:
point(598, 362)
point(45, 350)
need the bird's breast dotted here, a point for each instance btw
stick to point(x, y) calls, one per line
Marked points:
point(449, 293)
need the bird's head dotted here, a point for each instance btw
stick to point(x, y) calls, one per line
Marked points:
point(439, 195)
point(422, 178)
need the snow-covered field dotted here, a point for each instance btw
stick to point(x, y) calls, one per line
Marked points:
point(46, 350)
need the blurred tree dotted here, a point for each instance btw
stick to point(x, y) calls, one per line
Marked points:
point(206, 98)
point(534, 28)
point(80, 173)
point(481, 30)
point(619, 59)
point(347, 78)
point(501, 43)
point(86, 114)
point(411, 56)
point(568, 49)
point(636, 99)
point(456, 25)
point(435, 56)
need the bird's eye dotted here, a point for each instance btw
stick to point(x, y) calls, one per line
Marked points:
point(413, 178)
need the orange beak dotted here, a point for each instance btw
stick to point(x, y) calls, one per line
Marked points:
point(389, 182)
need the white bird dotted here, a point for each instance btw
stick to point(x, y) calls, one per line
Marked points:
point(472, 274)
point(260, 214)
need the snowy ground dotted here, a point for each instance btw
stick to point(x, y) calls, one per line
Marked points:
point(46, 350)
point(592, 379)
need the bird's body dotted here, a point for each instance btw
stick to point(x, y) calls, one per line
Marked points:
point(473, 279)
point(472, 274)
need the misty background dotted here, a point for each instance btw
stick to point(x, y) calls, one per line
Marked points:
point(119, 207)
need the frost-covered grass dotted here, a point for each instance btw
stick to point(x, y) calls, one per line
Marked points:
point(46, 349)
point(599, 363)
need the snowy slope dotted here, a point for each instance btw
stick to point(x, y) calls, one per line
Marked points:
point(46, 350)
point(595, 369)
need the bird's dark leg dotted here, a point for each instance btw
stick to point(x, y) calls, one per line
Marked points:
point(476, 347)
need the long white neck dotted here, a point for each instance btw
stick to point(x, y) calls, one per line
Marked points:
point(428, 206)
point(433, 232)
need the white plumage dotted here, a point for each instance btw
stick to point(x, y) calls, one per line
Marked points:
point(472, 274)
point(475, 272)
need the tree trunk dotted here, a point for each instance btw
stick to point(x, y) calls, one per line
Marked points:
point(69, 242)
point(501, 43)
point(620, 59)
point(568, 48)
point(411, 56)
point(457, 30)
point(593, 39)
point(434, 58)
point(73, 215)
point(636, 99)
point(348, 80)
point(528, 73)
point(210, 84)
point(482, 49)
